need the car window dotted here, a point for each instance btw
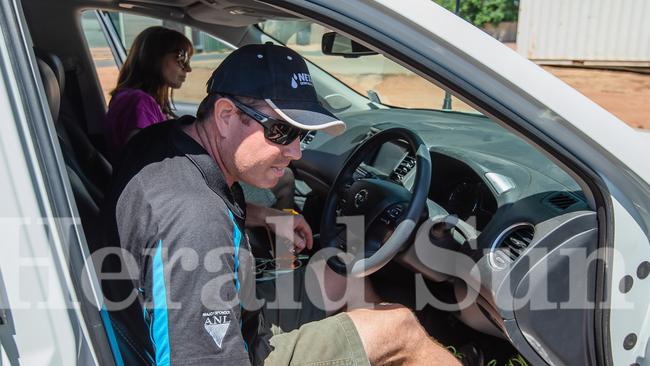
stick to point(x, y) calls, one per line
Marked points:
point(393, 84)
point(208, 52)
point(105, 65)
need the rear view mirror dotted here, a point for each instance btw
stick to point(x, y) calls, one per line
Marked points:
point(335, 44)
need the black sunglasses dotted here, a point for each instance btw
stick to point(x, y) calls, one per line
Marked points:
point(183, 59)
point(275, 130)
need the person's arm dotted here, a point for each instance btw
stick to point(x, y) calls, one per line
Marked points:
point(288, 225)
point(205, 327)
point(191, 277)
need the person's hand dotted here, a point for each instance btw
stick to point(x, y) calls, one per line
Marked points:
point(289, 226)
point(291, 229)
point(302, 234)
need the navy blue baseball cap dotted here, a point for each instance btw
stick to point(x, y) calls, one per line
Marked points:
point(279, 76)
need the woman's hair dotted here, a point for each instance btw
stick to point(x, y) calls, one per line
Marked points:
point(143, 66)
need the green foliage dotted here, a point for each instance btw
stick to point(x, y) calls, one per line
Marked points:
point(481, 12)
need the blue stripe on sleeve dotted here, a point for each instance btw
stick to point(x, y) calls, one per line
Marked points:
point(160, 316)
point(106, 319)
point(237, 239)
point(236, 234)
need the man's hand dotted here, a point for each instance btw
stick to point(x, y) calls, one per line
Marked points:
point(303, 237)
point(290, 226)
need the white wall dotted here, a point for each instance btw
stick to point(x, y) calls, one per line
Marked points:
point(593, 32)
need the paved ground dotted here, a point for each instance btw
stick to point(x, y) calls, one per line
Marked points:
point(625, 94)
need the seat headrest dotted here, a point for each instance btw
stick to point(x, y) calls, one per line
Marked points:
point(54, 62)
point(52, 88)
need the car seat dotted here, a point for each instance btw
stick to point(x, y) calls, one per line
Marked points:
point(84, 164)
point(95, 166)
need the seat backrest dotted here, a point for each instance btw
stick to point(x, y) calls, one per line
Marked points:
point(87, 196)
point(71, 121)
point(96, 168)
point(55, 64)
point(51, 85)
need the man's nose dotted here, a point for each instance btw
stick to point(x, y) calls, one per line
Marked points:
point(292, 151)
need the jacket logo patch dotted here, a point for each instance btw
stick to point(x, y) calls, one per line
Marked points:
point(216, 324)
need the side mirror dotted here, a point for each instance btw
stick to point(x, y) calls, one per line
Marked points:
point(335, 44)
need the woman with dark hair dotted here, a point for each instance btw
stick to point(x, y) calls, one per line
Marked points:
point(157, 63)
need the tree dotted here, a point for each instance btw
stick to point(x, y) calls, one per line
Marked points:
point(481, 12)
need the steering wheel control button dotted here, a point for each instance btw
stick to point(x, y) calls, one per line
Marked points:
point(630, 341)
point(643, 270)
point(626, 284)
point(395, 212)
point(360, 198)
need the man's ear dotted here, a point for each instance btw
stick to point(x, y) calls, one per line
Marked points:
point(224, 113)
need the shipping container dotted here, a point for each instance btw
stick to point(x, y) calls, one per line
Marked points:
point(585, 32)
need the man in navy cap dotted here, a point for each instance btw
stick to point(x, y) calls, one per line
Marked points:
point(176, 207)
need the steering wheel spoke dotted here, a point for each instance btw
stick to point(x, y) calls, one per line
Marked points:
point(340, 206)
point(341, 239)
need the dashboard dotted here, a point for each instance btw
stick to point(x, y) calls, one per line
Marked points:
point(454, 186)
point(516, 201)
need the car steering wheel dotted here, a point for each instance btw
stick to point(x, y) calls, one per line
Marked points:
point(390, 211)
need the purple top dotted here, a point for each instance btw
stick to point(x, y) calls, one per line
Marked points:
point(128, 110)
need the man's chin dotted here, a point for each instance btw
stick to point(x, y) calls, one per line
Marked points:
point(272, 183)
point(267, 183)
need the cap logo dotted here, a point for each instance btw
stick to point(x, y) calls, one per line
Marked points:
point(302, 79)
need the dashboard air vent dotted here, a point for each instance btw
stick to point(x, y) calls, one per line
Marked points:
point(309, 137)
point(561, 200)
point(403, 168)
point(510, 245)
point(359, 173)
